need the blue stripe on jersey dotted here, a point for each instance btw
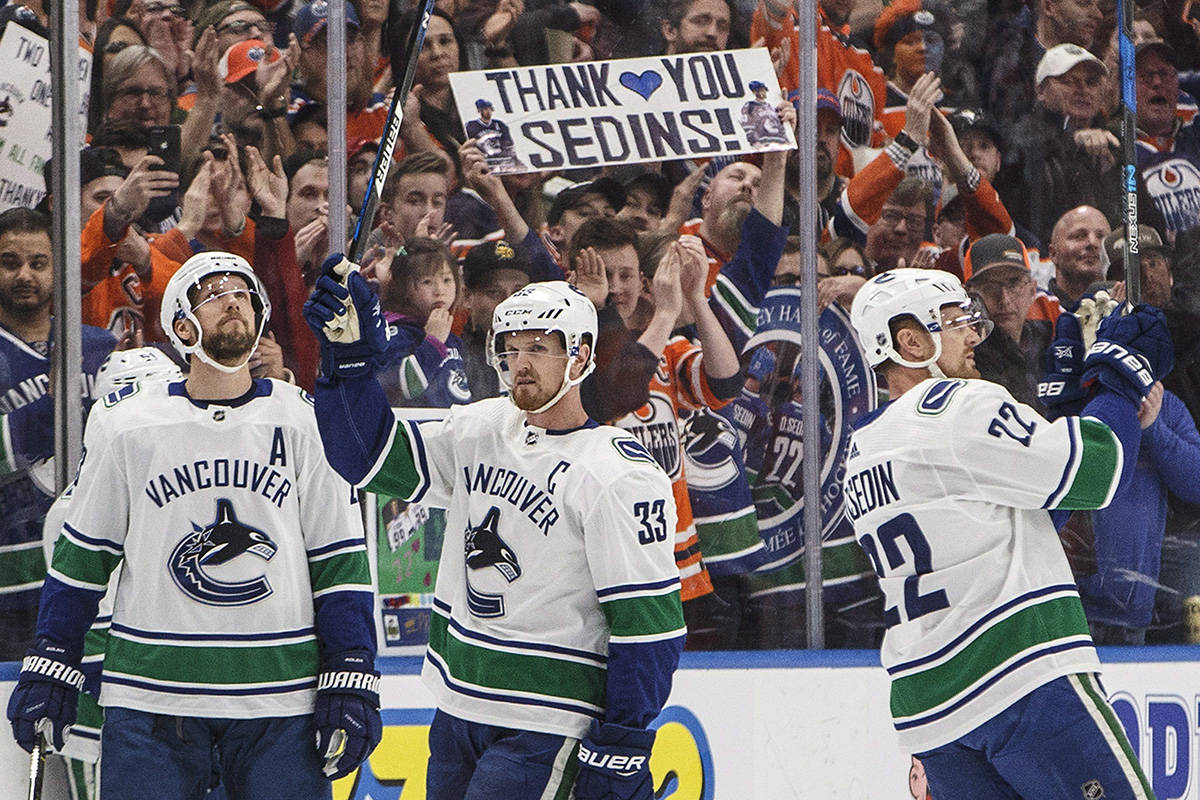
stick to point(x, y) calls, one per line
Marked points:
point(458, 688)
point(210, 691)
point(536, 647)
point(1069, 469)
point(421, 459)
point(637, 587)
point(345, 544)
point(983, 621)
point(172, 636)
point(978, 690)
point(104, 544)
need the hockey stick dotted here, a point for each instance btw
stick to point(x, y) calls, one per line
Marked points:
point(37, 766)
point(391, 133)
point(1128, 66)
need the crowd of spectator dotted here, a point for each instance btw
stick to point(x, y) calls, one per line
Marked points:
point(980, 139)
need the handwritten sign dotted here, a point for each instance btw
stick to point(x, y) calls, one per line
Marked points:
point(563, 116)
point(26, 138)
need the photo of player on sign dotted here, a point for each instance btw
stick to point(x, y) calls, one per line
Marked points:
point(759, 120)
point(492, 137)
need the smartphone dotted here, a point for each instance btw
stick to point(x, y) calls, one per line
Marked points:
point(163, 141)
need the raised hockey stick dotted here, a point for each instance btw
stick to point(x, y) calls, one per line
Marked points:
point(391, 133)
point(37, 766)
point(1128, 66)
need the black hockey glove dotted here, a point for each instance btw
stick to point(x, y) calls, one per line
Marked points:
point(614, 763)
point(1131, 353)
point(347, 712)
point(1060, 389)
point(46, 694)
point(345, 316)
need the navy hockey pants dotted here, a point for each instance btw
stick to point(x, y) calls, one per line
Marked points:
point(154, 755)
point(1061, 741)
point(473, 761)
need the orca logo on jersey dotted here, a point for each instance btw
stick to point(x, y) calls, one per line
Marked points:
point(220, 542)
point(484, 548)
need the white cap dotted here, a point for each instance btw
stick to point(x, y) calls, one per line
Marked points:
point(1062, 58)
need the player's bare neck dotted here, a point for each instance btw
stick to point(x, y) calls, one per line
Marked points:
point(567, 414)
point(207, 383)
point(901, 379)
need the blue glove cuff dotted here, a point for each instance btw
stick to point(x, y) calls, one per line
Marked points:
point(350, 673)
point(47, 668)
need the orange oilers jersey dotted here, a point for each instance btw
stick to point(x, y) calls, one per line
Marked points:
point(679, 383)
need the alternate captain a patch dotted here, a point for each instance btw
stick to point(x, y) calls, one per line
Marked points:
point(220, 542)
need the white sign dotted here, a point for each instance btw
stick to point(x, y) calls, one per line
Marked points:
point(589, 114)
point(26, 139)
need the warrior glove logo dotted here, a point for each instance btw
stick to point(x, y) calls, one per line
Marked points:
point(484, 548)
point(220, 542)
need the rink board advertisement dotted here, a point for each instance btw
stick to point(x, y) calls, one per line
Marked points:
point(566, 116)
point(777, 725)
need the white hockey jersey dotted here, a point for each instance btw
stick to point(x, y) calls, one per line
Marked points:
point(557, 543)
point(947, 487)
point(227, 523)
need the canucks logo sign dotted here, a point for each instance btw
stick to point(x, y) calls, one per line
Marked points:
point(774, 442)
point(223, 540)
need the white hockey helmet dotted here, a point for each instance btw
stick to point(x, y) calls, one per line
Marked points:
point(177, 304)
point(123, 367)
point(919, 294)
point(553, 306)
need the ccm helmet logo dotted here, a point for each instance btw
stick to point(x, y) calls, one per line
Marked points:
point(622, 765)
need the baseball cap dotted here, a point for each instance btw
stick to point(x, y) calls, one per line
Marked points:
point(312, 18)
point(244, 57)
point(754, 86)
point(974, 119)
point(1149, 241)
point(1062, 58)
point(994, 250)
point(828, 101)
point(608, 188)
point(653, 182)
point(483, 102)
point(487, 257)
point(1157, 46)
point(905, 16)
point(94, 162)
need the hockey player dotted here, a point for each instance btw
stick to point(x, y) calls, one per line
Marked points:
point(949, 487)
point(556, 615)
point(242, 617)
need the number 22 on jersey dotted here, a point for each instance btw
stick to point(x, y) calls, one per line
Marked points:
point(888, 536)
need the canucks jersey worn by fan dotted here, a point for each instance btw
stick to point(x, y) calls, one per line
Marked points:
point(949, 488)
point(557, 617)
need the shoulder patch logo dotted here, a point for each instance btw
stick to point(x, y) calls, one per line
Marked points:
point(632, 450)
point(937, 397)
point(219, 542)
point(114, 397)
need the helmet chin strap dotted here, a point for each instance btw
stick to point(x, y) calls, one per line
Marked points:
point(929, 363)
point(198, 350)
point(567, 383)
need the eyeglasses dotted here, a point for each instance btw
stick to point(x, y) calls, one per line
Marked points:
point(892, 218)
point(241, 27)
point(137, 92)
point(159, 8)
point(997, 287)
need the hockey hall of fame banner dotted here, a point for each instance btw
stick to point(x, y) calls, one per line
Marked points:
point(597, 113)
point(774, 445)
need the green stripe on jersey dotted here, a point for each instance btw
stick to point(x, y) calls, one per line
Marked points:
point(340, 570)
point(728, 536)
point(1043, 623)
point(24, 566)
point(1098, 465)
point(517, 672)
point(213, 665)
point(747, 315)
point(398, 475)
point(413, 382)
point(88, 566)
point(644, 616)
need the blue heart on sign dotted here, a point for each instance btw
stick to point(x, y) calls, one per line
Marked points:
point(644, 84)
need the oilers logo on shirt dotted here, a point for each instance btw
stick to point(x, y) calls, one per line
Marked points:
point(224, 540)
